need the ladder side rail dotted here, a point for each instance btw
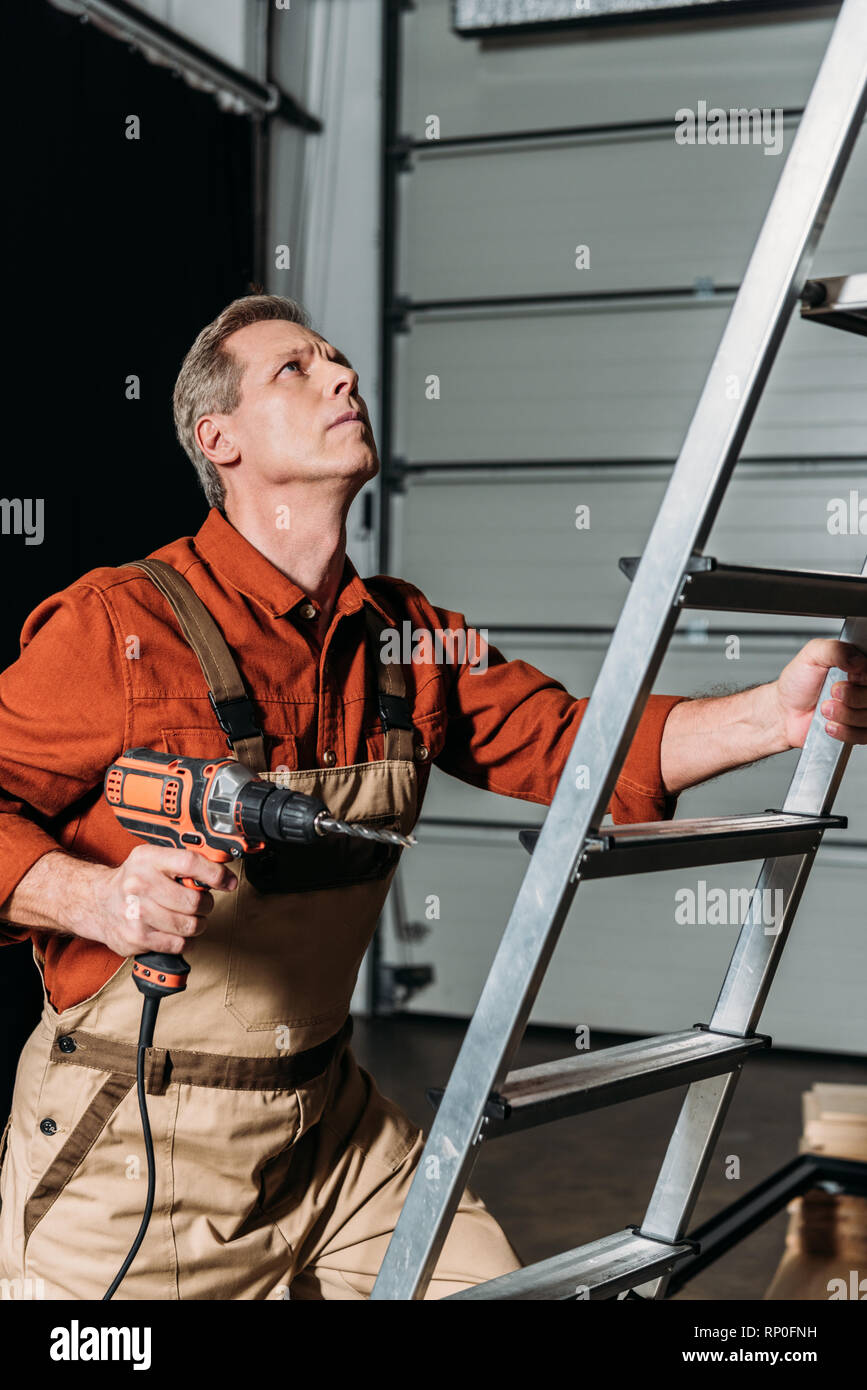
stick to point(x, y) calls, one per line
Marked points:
point(772, 283)
point(699, 1123)
point(757, 952)
point(754, 962)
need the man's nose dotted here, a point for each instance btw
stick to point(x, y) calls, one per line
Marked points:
point(344, 382)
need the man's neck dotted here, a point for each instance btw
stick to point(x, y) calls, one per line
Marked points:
point(303, 538)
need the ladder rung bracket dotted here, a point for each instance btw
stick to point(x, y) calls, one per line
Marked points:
point(711, 585)
point(840, 301)
point(496, 1106)
point(604, 1268)
point(592, 1080)
point(653, 846)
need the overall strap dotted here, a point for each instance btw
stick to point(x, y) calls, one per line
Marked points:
point(226, 690)
point(394, 710)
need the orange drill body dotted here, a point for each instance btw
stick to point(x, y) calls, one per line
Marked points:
point(181, 803)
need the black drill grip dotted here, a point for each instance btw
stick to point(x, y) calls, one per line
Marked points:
point(157, 974)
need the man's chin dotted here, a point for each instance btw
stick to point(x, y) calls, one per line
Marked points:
point(359, 464)
point(364, 466)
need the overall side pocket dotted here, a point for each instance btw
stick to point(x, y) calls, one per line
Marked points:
point(79, 1143)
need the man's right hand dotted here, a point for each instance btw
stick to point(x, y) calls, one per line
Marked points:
point(140, 906)
point(136, 907)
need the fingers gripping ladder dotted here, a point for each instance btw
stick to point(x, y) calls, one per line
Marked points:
point(482, 1100)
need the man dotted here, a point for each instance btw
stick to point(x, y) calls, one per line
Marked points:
point(281, 1170)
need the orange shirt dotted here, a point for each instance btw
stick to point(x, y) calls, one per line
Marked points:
point(104, 667)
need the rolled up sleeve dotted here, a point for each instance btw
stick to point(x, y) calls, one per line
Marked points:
point(62, 713)
point(510, 730)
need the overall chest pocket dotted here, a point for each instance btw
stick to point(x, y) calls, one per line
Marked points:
point(304, 915)
point(294, 955)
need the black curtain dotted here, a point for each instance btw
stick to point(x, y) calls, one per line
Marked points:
point(124, 249)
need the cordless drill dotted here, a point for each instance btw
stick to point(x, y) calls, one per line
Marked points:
point(221, 810)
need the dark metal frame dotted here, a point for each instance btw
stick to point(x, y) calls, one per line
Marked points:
point(142, 30)
point(735, 1222)
point(264, 99)
point(392, 10)
point(389, 169)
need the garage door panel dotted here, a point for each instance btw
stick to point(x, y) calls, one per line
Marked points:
point(507, 552)
point(624, 962)
point(622, 76)
point(611, 382)
point(653, 215)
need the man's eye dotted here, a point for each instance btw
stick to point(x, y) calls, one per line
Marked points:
point(293, 362)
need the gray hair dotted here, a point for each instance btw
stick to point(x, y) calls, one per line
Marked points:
point(210, 378)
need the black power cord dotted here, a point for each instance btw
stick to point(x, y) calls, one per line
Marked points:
point(150, 1006)
point(156, 976)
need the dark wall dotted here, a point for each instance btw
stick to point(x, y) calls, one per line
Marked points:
point(124, 250)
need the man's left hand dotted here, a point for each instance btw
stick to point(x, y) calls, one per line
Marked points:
point(799, 686)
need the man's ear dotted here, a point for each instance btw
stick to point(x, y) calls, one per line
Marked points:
point(214, 438)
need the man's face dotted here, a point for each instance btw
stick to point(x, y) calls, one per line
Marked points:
point(295, 387)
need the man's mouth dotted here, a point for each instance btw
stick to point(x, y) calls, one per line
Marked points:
point(347, 418)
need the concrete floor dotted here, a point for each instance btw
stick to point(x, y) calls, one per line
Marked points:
point(571, 1182)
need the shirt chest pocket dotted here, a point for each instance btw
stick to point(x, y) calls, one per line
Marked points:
point(429, 736)
point(281, 748)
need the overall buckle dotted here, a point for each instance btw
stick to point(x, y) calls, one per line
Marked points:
point(394, 712)
point(237, 718)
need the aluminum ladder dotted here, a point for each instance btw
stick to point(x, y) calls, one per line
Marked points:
point(483, 1099)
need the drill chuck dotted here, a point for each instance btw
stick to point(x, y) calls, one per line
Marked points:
point(278, 815)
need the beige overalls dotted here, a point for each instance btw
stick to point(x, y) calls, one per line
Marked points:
point(281, 1169)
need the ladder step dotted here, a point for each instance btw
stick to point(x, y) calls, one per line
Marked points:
point(840, 301)
point(710, 584)
point(592, 1080)
point(604, 1268)
point(651, 846)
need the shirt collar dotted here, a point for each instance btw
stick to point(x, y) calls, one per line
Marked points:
point(252, 574)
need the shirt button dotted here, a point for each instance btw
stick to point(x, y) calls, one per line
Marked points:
point(422, 752)
point(329, 758)
point(307, 610)
point(66, 1043)
point(48, 1127)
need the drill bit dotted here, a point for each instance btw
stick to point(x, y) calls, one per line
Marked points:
point(326, 825)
